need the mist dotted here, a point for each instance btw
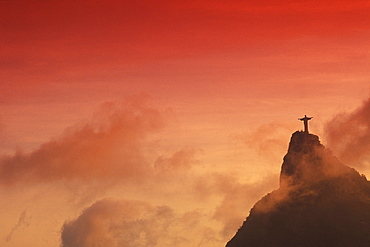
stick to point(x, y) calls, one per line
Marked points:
point(348, 136)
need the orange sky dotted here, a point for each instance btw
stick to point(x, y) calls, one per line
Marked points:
point(180, 104)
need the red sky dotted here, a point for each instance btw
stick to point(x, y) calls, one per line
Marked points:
point(197, 89)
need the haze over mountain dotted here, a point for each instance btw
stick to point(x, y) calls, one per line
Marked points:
point(320, 202)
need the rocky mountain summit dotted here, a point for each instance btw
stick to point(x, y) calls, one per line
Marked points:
point(320, 203)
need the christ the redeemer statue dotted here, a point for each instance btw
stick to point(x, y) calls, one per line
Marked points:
point(305, 121)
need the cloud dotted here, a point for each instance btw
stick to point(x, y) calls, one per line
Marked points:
point(128, 223)
point(268, 140)
point(109, 146)
point(24, 221)
point(236, 197)
point(348, 135)
point(181, 160)
point(216, 205)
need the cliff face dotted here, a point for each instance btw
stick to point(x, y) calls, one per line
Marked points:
point(320, 202)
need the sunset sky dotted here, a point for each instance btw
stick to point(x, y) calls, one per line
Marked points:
point(161, 123)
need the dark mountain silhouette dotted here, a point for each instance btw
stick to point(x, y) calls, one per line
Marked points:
point(320, 203)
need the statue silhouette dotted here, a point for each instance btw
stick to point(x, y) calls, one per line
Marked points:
point(305, 121)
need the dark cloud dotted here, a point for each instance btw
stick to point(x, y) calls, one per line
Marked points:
point(348, 135)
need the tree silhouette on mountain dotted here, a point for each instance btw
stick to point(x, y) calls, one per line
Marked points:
point(320, 203)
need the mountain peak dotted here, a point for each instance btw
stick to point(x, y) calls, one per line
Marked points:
point(308, 161)
point(321, 202)
point(303, 142)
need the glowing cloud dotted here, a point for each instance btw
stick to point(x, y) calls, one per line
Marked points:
point(109, 146)
point(113, 223)
point(348, 135)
